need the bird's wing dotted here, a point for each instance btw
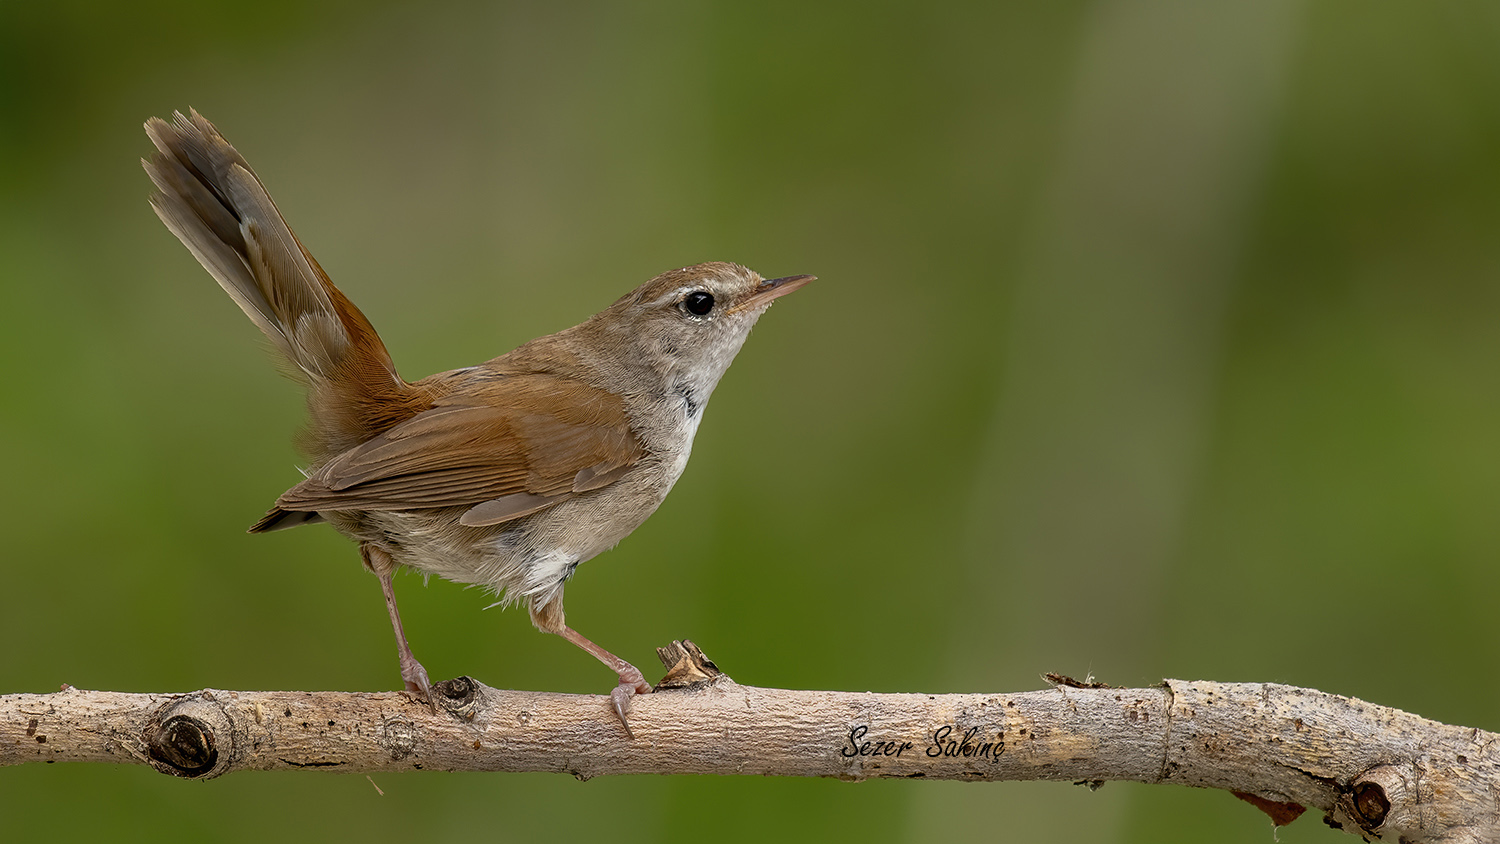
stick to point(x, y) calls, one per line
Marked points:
point(507, 447)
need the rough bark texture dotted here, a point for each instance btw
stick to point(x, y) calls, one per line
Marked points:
point(1372, 770)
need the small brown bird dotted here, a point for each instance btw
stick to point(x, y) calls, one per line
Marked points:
point(507, 474)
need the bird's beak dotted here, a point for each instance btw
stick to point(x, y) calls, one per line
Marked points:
point(770, 289)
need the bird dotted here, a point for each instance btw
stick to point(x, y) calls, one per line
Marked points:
point(507, 474)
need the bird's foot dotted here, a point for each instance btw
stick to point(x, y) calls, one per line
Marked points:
point(632, 683)
point(415, 678)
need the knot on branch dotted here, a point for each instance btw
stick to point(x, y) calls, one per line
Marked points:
point(460, 696)
point(1379, 801)
point(189, 737)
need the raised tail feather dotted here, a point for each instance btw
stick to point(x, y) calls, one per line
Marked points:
point(209, 197)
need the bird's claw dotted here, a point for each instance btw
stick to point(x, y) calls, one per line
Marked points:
point(621, 696)
point(415, 678)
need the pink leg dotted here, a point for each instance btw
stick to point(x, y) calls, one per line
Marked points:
point(412, 672)
point(632, 682)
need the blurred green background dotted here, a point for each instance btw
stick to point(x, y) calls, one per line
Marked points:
point(1151, 340)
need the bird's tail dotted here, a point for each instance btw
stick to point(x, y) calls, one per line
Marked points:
point(209, 197)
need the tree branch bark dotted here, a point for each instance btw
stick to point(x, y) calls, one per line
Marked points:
point(1372, 770)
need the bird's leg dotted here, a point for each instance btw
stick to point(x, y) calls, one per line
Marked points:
point(632, 682)
point(548, 617)
point(412, 673)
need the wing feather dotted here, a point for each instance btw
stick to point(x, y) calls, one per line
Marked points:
point(504, 447)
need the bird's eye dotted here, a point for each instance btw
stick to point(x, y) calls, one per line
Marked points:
point(698, 303)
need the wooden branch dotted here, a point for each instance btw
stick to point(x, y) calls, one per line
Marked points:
point(1372, 770)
